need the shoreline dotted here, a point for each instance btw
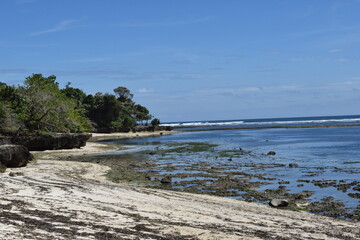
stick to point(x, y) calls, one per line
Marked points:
point(98, 137)
point(266, 127)
point(69, 199)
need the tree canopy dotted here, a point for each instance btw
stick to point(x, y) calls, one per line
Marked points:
point(41, 105)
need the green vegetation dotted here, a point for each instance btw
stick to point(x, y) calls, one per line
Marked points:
point(40, 105)
point(189, 147)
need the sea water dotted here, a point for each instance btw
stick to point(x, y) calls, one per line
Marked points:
point(322, 154)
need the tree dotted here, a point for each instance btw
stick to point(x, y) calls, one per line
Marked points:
point(155, 122)
point(46, 108)
point(123, 94)
point(141, 113)
point(11, 104)
point(74, 93)
point(40, 105)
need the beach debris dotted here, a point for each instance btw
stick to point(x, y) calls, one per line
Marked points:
point(278, 203)
point(293, 165)
point(14, 174)
point(166, 180)
point(271, 153)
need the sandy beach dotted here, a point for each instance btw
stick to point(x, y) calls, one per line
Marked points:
point(53, 199)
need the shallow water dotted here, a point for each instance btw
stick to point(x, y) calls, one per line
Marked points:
point(322, 155)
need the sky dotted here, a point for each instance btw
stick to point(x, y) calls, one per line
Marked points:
point(191, 60)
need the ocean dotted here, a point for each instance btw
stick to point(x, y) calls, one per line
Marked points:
point(268, 122)
point(309, 166)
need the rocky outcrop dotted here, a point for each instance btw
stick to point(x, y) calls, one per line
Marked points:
point(13, 156)
point(4, 140)
point(138, 128)
point(51, 142)
point(142, 128)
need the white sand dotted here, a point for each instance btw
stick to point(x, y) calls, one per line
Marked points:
point(73, 200)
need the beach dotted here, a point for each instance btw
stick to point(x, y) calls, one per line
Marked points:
point(57, 199)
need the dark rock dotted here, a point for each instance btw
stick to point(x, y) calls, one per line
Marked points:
point(14, 156)
point(354, 195)
point(14, 174)
point(4, 140)
point(37, 142)
point(303, 195)
point(166, 180)
point(142, 128)
point(278, 203)
point(293, 165)
point(2, 168)
point(271, 153)
point(284, 182)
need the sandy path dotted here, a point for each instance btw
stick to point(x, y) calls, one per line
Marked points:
point(73, 200)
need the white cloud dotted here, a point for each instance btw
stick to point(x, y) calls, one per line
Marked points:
point(145, 90)
point(334, 50)
point(63, 25)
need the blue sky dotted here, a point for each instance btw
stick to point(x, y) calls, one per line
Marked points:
point(193, 59)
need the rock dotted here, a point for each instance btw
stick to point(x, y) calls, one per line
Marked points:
point(293, 165)
point(142, 128)
point(303, 195)
point(49, 142)
point(2, 168)
point(284, 182)
point(14, 156)
point(354, 195)
point(14, 174)
point(278, 203)
point(271, 153)
point(166, 180)
point(5, 140)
